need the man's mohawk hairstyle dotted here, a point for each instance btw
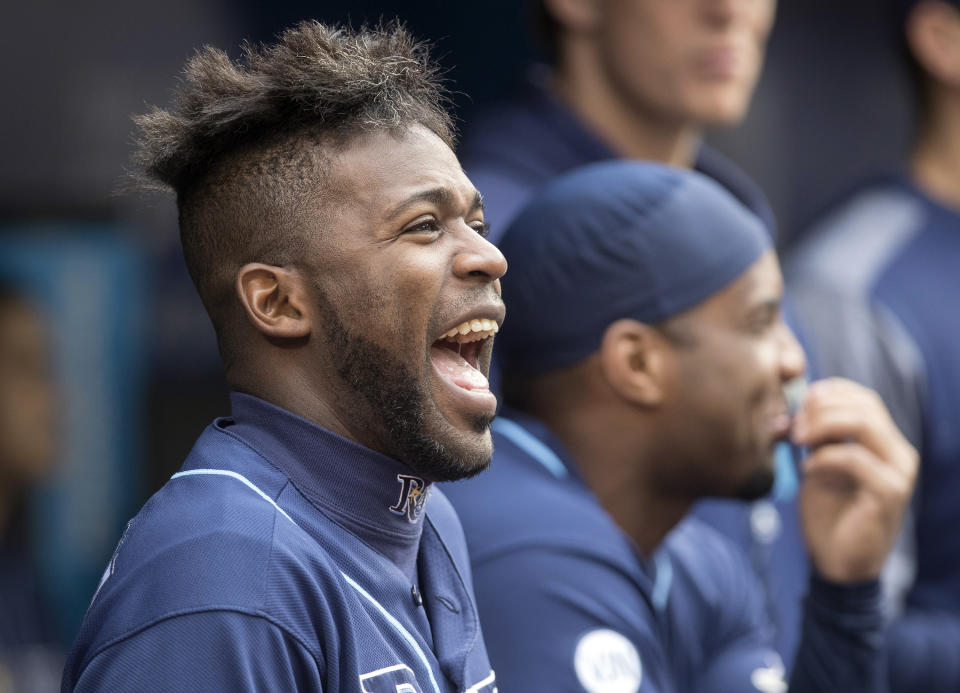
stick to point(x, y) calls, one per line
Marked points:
point(337, 79)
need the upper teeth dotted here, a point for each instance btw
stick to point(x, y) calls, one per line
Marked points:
point(473, 330)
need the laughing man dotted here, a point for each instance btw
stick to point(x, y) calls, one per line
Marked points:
point(339, 250)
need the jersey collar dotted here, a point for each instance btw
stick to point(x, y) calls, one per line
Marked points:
point(377, 498)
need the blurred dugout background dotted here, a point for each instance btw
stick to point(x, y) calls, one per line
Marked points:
point(133, 352)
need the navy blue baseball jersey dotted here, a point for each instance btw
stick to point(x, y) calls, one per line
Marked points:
point(513, 149)
point(876, 285)
point(283, 557)
point(570, 604)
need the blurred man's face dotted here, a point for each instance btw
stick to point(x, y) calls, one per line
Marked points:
point(726, 409)
point(27, 400)
point(408, 294)
point(687, 60)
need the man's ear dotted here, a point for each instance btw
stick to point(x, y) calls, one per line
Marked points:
point(634, 359)
point(275, 300)
point(933, 32)
point(573, 15)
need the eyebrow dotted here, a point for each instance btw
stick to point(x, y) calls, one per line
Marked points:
point(441, 197)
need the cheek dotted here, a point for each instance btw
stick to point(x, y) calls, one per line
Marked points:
point(733, 382)
point(397, 307)
point(761, 19)
point(641, 53)
point(758, 28)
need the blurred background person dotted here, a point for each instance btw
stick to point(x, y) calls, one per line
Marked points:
point(877, 285)
point(645, 367)
point(643, 79)
point(29, 657)
point(640, 79)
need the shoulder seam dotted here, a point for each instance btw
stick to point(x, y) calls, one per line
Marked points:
point(133, 632)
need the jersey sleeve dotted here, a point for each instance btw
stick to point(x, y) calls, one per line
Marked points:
point(205, 651)
point(922, 649)
point(721, 637)
point(716, 604)
point(559, 621)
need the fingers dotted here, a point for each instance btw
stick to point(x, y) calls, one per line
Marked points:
point(856, 467)
point(838, 410)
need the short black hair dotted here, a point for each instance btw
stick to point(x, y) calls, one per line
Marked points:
point(246, 142)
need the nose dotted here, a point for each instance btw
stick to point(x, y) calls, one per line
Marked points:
point(793, 361)
point(478, 258)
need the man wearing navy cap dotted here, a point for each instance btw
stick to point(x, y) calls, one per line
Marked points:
point(643, 79)
point(645, 369)
point(338, 248)
point(876, 284)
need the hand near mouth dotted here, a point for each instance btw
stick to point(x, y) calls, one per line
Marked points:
point(858, 479)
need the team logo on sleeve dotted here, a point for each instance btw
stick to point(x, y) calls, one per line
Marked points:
point(413, 497)
point(770, 678)
point(606, 662)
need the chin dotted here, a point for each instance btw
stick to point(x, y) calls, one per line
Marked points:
point(756, 486)
point(726, 109)
point(449, 453)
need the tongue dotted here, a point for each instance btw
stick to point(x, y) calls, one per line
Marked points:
point(453, 367)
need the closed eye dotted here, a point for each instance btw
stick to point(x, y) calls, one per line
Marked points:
point(424, 226)
point(765, 316)
point(482, 228)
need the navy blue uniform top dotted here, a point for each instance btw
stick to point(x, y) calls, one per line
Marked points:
point(283, 557)
point(569, 604)
point(876, 285)
point(512, 150)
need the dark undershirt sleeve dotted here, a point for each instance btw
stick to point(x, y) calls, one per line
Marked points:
point(842, 647)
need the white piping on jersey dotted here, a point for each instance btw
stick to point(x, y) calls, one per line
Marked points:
point(397, 626)
point(475, 688)
point(663, 581)
point(238, 477)
point(395, 667)
point(530, 444)
point(390, 619)
point(542, 453)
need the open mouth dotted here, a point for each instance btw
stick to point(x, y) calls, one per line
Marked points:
point(456, 355)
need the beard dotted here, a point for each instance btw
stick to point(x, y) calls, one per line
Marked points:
point(755, 486)
point(399, 402)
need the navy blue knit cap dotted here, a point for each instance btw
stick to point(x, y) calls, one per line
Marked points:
point(620, 239)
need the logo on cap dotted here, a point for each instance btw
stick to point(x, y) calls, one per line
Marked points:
point(413, 497)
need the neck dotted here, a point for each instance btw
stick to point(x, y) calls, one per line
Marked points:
point(935, 162)
point(284, 383)
point(630, 129)
point(617, 469)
